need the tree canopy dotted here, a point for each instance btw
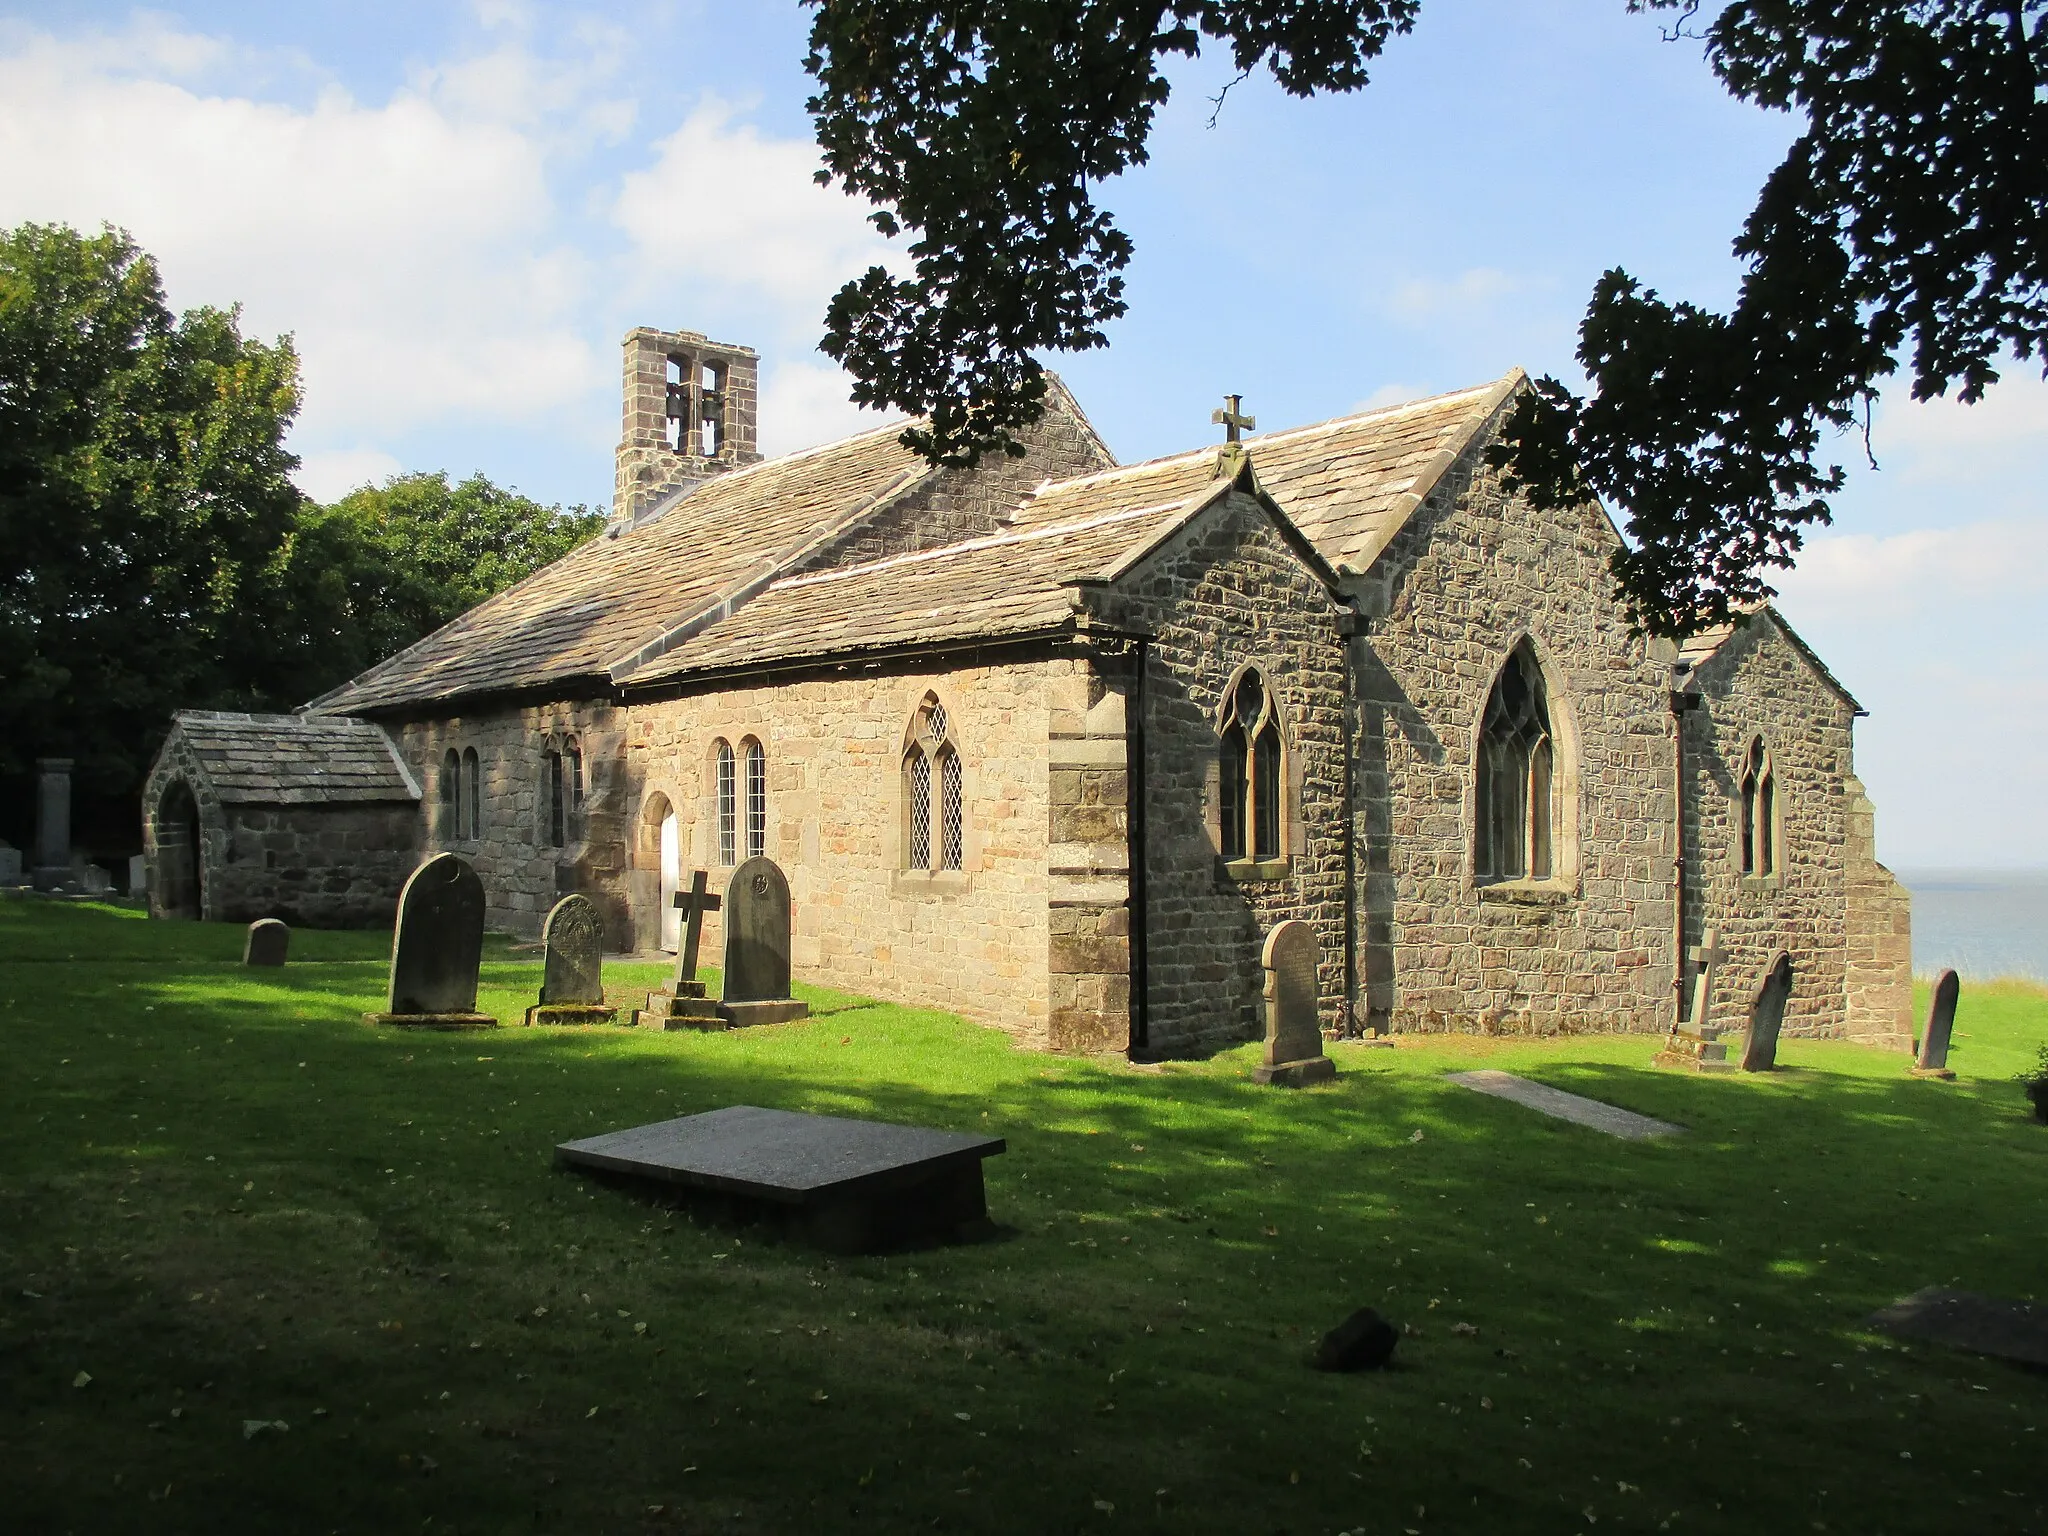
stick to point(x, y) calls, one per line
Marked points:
point(1908, 222)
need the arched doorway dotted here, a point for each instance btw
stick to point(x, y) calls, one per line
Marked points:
point(671, 878)
point(180, 857)
point(657, 872)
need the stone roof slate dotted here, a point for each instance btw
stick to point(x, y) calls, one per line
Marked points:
point(294, 759)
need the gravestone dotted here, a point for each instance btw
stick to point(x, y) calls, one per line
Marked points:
point(1699, 1049)
point(52, 871)
point(852, 1186)
point(1767, 1017)
point(1941, 1022)
point(682, 1003)
point(138, 877)
point(10, 864)
point(757, 947)
point(266, 943)
point(1294, 1035)
point(572, 966)
point(437, 944)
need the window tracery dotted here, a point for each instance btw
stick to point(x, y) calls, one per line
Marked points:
point(1759, 831)
point(1515, 804)
point(935, 814)
point(1251, 772)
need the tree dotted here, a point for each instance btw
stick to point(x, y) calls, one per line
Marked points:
point(385, 565)
point(1912, 210)
point(143, 489)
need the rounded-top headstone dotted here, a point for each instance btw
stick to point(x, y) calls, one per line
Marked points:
point(1941, 1022)
point(1291, 957)
point(438, 941)
point(756, 933)
point(572, 970)
point(267, 942)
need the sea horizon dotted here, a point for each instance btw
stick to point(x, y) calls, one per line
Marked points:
point(1982, 923)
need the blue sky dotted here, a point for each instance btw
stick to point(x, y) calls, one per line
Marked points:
point(457, 210)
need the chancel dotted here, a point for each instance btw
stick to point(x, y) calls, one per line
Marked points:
point(1057, 743)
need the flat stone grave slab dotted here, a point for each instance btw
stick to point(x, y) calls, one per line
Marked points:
point(1983, 1325)
point(850, 1186)
point(1559, 1105)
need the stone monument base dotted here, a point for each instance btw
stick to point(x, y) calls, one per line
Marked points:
point(772, 1010)
point(681, 1005)
point(1687, 1052)
point(444, 1021)
point(557, 1015)
point(1942, 1074)
point(1296, 1074)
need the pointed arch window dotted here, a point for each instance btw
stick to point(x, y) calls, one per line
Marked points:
point(757, 797)
point(451, 796)
point(555, 792)
point(727, 780)
point(934, 792)
point(1251, 772)
point(472, 795)
point(1516, 820)
point(1759, 813)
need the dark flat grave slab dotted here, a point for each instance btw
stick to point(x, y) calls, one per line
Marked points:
point(853, 1186)
point(1984, 1325)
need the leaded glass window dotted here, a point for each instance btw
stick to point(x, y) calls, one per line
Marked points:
point(1251, 773)
point(934, 792)
point(949, 809)
point(728, 805)
point(757, 799)
point(1515, 771)
point(1759, 812)
point(920, 772)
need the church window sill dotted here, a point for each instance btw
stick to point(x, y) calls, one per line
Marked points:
point(928, 884)
point(1762, 885)
point(1526, 893)
point(1247, 870)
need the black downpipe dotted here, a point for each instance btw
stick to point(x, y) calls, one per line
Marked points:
point(1134, 790)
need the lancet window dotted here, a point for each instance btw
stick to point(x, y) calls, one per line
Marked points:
point(1759, 812)
point(472, 806)
point(757, 798)
point(451, 796)
point(727, 779)
point(934, 793)
point(1516, 810)
point(1251, 773)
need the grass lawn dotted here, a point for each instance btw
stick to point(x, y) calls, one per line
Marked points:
point(229, 1204)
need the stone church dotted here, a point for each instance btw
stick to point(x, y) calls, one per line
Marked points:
point(1054, 742)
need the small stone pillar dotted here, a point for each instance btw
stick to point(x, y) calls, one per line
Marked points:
point(53, 823)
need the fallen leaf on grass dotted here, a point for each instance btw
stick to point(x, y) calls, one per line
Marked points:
point(82, 1379)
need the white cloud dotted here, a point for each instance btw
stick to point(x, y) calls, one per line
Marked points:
point(725, 205)
point(803, 404)
point(1883, 579)
point(1944, 439)
point(408, 246)
point(1429, 298)
point(331, 473)
point(1391, 394)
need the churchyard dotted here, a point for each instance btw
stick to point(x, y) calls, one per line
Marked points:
point(265, 1267)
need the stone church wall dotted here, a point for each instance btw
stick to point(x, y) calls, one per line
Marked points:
point(1758, 686)
point(1226, 592)
point(1472, 573)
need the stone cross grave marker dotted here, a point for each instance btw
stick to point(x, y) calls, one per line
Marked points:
point(572, 966)
point(757, 947)
point(267, 942)
point(682, 1004)
point(1767, 1017)
point(1294, 1035)
point(437, 944)
point(1941, 1023)
point(1699, 1049)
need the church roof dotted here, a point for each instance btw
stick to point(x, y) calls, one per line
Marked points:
point(294, 759)
point(1697, 652)
point(626, 589)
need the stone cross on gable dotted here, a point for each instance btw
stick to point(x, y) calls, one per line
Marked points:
point(693, 904)
point(1707, 955)
point(1231, 418)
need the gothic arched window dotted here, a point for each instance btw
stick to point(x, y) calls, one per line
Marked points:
point(1516, 801)
point(1251, 773)
point(554, 793)
point(757, 797)
point(472, 795)
point(1759, 812)
point(934, 795)
point(728, 804)
point(451, 796)
point(572, 758)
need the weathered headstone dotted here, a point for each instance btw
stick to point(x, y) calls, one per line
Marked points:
point(1699, 1049)
point(572, 966)
point(437, 944)
point(682, 1003)
point(1294, 1034)
point(10, 863)
point(138, 877)
point(52, 867)
point(1941, 1022)
point(267, 942)
point(853, 1186)
point(1767, 1017)
point(757, 947)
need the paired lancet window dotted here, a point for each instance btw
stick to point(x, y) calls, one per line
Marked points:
point(1759, 812)
point(741, 826)
point(462, 814)
point(1250, 775)
point(1516, 804)
point(562, 788)
point(934, 796)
